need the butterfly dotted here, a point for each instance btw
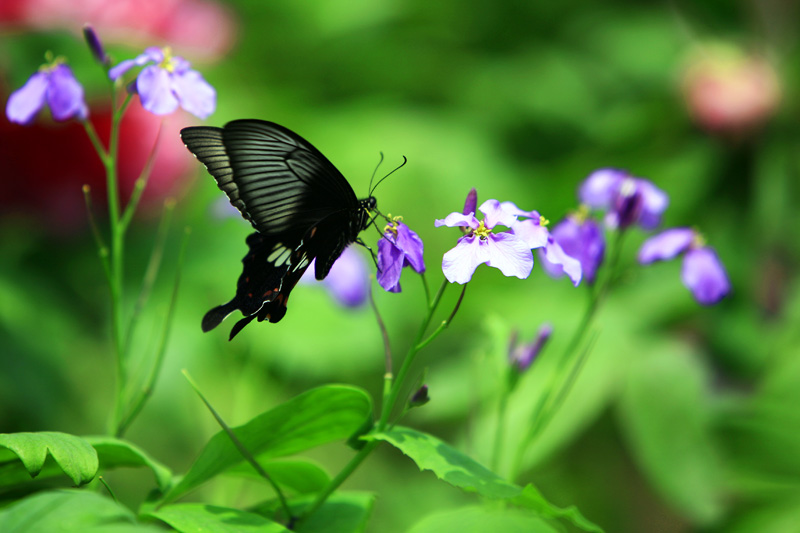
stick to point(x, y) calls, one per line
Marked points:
point(301, 206)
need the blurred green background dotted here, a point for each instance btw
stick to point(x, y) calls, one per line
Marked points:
point(685, 418)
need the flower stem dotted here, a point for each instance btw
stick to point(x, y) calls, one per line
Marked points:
point(569, 365)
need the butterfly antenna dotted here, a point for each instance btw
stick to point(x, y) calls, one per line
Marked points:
point(375, 172)
point(401, 165)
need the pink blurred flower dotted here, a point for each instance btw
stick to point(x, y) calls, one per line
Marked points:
point(199, 28)
point(728, 90)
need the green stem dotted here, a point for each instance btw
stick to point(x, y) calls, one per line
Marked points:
point(501, 425)
point(567, 369)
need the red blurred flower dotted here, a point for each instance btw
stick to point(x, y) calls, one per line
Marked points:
point(47, 163)
point(729, 91)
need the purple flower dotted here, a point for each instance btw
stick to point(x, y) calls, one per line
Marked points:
point(399, 247)
point(505, 250)
point(53, 84)
point(627, 200)
point(582, 238)
point(532, 229)
point(168, 83)
point(348, 280)
point(522, 357)
point(702, 272)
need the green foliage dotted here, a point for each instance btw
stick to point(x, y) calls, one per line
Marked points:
point(318, 416)
point(74, 456)
point(69, 511)
point(114, 453)
point(193, 517)
point(482, 519)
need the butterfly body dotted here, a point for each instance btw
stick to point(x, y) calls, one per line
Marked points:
point(300, 205)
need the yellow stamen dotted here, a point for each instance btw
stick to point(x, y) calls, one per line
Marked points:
point(482, 231)
point(51, 62)
point(698, 241)
point(543, 221)
point(581, 214)
point(391, 227)
point(168, 63)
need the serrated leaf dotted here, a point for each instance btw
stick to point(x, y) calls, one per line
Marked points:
point(302, 477)
point(113, 453)
point(533, 499)
point(195, 517)
point(318, 416)
point(69, 511)
point(75, 456)
point(481, 520)
point(447, 463)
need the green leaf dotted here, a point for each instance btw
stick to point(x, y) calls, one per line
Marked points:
point(665, 414)
point(342, 511)
point(318, 416)
point(69, 511)
point(114, 453)
point(194, 517)
point(533, 499)
point(447, 463)
point(303, 477)
point(481, 520)
point(75, 456)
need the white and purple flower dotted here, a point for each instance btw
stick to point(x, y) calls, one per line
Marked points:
point(702, 272)
point(627, 200)
point(54, 85)
point(399, 247)
point(581, 238)
point(504, 251)
point(168, 83)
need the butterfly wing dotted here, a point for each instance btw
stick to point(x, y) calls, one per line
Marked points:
point(278, 180)
point(301, 205)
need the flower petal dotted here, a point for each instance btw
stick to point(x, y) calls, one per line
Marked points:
point(495, 215)
point(457, 219)
point(511, 207)
point(25, 102)
point(155, 90)
point(666, 245)
point(65, 95)
point(582, 240)
point(600, 187)
point(508, 254)
point(390, 263)
point(569, 265)
point(654, 203)
point(704, 276)
point(194, 93)
point(150, 54)
point(412, 247)
point(531, 232)
point(460, 263)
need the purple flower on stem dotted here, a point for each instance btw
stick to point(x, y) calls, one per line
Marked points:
point(532, 229)
point(348, 280)
point(399, 247)
point(702, 272)
point(55, 85)
point(522, 357)
point(504, 250)
point(168, 83)
point(581, 238)
point(627, 200)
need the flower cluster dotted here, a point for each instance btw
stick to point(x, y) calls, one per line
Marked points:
point(626, 200)
point(399, 247)
point(55, 85)
point(509, 251)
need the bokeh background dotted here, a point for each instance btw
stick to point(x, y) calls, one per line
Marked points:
point(684, 418)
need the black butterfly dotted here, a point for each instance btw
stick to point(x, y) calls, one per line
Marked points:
point(299, 203)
